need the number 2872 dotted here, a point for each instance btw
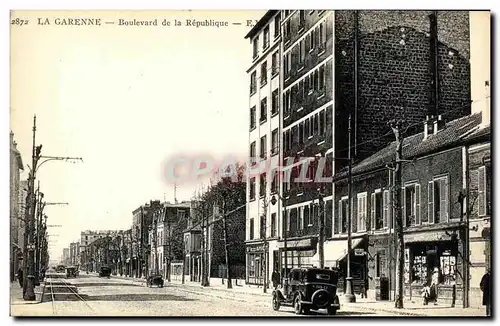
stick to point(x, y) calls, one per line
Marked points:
point(19, 22)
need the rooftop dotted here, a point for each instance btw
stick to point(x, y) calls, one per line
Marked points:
point(261, 23)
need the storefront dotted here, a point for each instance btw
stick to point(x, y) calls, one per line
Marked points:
point(299, 253)
point(256, 264)
point(423, 256)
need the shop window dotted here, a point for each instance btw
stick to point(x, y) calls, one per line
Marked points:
point(448, 267)
point(411, 205)
point(438, 200)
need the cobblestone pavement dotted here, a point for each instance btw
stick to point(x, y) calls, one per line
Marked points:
point(121, 297)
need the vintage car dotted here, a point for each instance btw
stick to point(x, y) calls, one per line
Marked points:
point(105, 272)
point(308, 288)
point(71, 272)
point(155, 279)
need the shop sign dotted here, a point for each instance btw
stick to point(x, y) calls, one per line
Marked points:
point(359, 252)
point(255, 249)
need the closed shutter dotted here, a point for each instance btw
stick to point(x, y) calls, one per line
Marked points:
point(443, 198)
point(339, 219)
point(430, 202)
point(417, 204)
point(385, 207)
point(372, 215)
point(481, 186)
point(403, 211)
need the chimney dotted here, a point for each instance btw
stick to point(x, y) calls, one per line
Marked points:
point(438, 124)
point(428, 126)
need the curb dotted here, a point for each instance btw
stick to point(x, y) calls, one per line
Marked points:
point(208, 288)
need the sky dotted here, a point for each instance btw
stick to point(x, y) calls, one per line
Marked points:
point(126, 99)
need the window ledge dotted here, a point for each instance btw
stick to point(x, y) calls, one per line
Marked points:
point(301, 67)
point(253, 128)
point(275, 114)
point(310, 92)
point(287, 117)
point(321, 96)
point(323, 50)
point(311, 50)
point(262, 84)
point(263, 121)
point(321, 142)
point(300, 109)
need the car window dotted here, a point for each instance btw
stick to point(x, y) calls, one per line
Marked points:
point(324, 277)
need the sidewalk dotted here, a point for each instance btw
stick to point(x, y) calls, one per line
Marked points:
point(415, 309)
point(16, 294)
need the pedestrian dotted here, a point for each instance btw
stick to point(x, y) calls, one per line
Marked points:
point(485, 286)
point(434, 285)
point(20, 276)
point(275, 277)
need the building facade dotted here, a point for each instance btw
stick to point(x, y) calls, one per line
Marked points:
point(264, 144)
point(357, 69)
point(166, 237)
point(74, 253)
point(16, 222)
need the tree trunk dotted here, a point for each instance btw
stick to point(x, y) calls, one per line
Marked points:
point(228, 263)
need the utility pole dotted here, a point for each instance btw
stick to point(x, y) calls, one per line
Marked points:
point(465, 244)
point(349, 296)
point(226, 246)
point(321, 224)
point(398, 218)
point(155, 237)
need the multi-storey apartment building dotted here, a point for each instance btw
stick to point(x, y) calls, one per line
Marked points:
point(74, 253)
point(264, 144)
point(359, 69)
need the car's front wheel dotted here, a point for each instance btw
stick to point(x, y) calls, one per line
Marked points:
point(276, 302)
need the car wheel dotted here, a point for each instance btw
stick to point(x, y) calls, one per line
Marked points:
point(276, 302)
point(297, 306)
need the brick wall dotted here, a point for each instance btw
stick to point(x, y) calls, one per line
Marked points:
point(395, 70)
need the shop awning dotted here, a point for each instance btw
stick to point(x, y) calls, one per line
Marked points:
point(337, 250)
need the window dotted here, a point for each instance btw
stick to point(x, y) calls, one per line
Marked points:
point(253, 118)
point(275, 64)
point(377, 209)
point(252, 188)
point(180, 215)
point(411, 205)
point(301, 132)
point(343, 214)
point(362, 212)
point(277, 21)
point(263, 110)
point(251, 229)
point(302, 19)
point(263, 146)
point(275, 182)
point(322, 37)
point(256, 47)
point(286, 220)
point(287, 31)
point(307, 217)
point(481, 192)
point(312, 39)
point(253, 82)
point(273, 225)
point(263, 73)
point(300, 218)
point(253, 152)
point(275, 105)
point(438, 200)
point(274, 142)
point(379, 262)
point(288, 64)
point(302, 52)
point(321, 79)
point(287, 103)
point(322, 122)
point(266, 38)
point(262, 185)
point(263, 227)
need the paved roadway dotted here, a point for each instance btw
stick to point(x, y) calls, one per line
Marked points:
point(120, 297)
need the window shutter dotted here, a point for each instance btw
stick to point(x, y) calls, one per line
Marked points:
point(385, 208)
point(481, 194)
point(372, 208)
point(340, 216)
point(359, 212)
point(430, 201)
point(417, 204)
point(403, 212)
point(443, 197)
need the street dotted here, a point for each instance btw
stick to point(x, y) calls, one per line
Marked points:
point(121, 297)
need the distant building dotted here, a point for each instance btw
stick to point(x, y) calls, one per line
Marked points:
point(74, 253)
point(16, 192)
point(66, 257)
